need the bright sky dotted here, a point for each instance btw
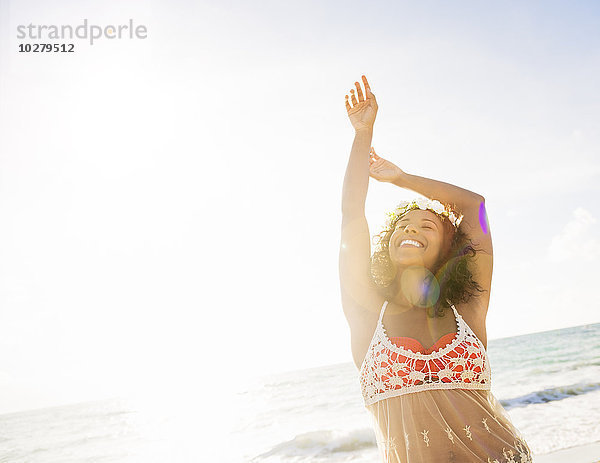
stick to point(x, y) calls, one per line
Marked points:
point(171, 206)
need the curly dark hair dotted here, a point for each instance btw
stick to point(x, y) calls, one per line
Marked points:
point(453, 275)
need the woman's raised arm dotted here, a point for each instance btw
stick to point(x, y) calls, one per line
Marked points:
point(355, 247)
point(356, 181)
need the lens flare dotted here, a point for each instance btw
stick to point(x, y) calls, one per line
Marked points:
point(483, 220)
point(420, 286)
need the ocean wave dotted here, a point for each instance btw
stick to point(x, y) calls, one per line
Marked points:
point(319, 443)
point(550, 395)
point(564, 367)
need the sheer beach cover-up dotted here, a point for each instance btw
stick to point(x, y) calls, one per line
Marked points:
point(435, 405)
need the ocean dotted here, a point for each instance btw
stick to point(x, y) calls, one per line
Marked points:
point(549, 383)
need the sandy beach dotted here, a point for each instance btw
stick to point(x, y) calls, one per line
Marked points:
point(589, 453)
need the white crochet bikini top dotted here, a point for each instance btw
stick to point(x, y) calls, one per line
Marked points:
point(389, 370)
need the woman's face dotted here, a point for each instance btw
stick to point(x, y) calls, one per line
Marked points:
point(417, 239)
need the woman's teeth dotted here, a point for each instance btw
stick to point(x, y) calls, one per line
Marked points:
point(412, 243)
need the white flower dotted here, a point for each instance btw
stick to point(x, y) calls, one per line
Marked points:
point(422, 203)
point(437, 207)
point(402, 205)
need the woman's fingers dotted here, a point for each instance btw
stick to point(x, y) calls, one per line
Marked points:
point(361, 95)
point(367, 87)
point(368, 99)
point(372, 155)
point(370, 95)
point(359, 90)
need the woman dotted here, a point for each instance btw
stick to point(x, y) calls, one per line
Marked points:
point(417, 309)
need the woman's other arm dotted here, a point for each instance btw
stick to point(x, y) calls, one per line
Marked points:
point(468, 203)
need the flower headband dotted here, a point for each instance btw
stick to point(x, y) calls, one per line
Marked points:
point(424, 204)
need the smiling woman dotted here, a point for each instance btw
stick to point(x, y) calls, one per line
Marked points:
point(425, 377)
point(445, 250)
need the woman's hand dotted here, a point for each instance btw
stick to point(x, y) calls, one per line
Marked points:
point(383, 170)
point(362, 112)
